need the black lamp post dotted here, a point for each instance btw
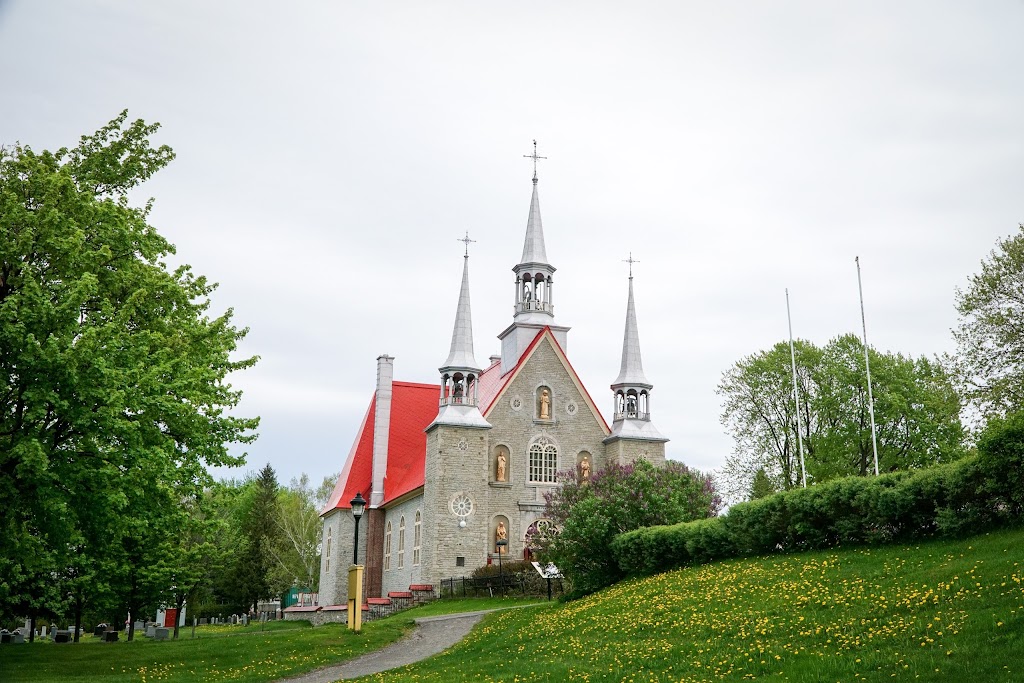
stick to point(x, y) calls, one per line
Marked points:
point(358, 505)
point(502, 544)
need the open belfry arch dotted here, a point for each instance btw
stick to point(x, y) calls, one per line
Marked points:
point(453, 467)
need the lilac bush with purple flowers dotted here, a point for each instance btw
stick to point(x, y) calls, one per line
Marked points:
point(589, 513)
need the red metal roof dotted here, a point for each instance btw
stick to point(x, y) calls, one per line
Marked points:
point(413, 407)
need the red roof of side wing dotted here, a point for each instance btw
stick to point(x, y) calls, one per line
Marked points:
point(413, 407)
point(355, 476)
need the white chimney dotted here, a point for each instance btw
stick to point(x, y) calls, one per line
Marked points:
point(381, 427)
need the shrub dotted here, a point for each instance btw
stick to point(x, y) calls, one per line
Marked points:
point(964, 496)
point(590, 513)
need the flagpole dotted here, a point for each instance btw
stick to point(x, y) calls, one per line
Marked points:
point(796, 395)
point(867, 367)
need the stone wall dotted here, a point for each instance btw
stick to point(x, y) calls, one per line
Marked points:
point(398, 578)
point(625, 451)
point(334, 567)
point(454, 468)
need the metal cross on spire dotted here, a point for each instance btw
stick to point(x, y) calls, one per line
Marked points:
point(535, 158)
point(465, 240)
point(630, 261)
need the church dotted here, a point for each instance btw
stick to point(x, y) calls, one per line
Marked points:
point(449, 469)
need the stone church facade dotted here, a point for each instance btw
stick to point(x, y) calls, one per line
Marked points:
point(449, 468)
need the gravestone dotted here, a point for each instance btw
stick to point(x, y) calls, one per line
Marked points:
point(151, 631)
point(162, 633)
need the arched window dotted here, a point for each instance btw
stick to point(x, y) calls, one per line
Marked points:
point(543, 462)
point(416, 540)
point(327, 555)
point(387, 548)
point(401, 542)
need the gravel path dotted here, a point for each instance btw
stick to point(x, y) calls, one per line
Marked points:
point(430, 636)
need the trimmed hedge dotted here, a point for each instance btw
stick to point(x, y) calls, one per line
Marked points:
point(966, 496)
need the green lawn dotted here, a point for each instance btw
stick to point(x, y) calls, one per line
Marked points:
point(219, 653)
point(943, 611)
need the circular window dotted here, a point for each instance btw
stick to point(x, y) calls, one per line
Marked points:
point(463, 445)
point(571, 407)
point(462, 505)
point(516, 403)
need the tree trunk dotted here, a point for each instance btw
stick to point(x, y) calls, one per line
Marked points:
point(179, 602)
point(32, 629)
point(78, 617)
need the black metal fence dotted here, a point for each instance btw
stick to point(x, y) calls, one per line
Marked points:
point(518, 584)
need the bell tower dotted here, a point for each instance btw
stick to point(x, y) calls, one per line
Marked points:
point(534, 287)
point(633, 435)
point(460, 373)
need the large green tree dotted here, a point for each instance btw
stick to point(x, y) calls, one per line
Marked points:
point(113, 375)
point(990, 334)
point(588, 513)
point(255, 574)
point(917, 414)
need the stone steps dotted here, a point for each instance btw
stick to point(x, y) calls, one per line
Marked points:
point(372, 608)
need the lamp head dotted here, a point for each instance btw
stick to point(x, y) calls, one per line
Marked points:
point(358, 505)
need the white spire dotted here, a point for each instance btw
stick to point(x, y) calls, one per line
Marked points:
point(631, 371)
point(632, 391)
point(533, 247)
point(461, 354)
point(460, 374)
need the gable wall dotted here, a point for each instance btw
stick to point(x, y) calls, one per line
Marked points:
point(519, 500)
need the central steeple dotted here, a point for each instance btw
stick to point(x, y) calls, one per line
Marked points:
point(534, 273)
point(534, 284)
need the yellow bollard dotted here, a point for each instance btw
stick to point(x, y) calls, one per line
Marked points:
point(355, 597)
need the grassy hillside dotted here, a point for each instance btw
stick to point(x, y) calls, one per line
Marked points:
point(218, 653)
point(941, 611)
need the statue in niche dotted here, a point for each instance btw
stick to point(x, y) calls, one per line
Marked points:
point(501, 534)
point(502, 467)
point(584, 469)
point(545, 404)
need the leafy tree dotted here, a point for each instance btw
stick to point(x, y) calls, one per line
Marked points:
point(760, 413)
point(990, 334)
point(113, 397)
point(761, 486)
point(255, 575)
point(589, 513)
point(916, 413)
point(298, 554)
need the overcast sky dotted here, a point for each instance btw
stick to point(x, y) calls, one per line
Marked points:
point(329, 154)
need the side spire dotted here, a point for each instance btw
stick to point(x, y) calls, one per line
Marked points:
point(631, 370)
point(461, 353)
point(632, 418)
point(460, 374)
